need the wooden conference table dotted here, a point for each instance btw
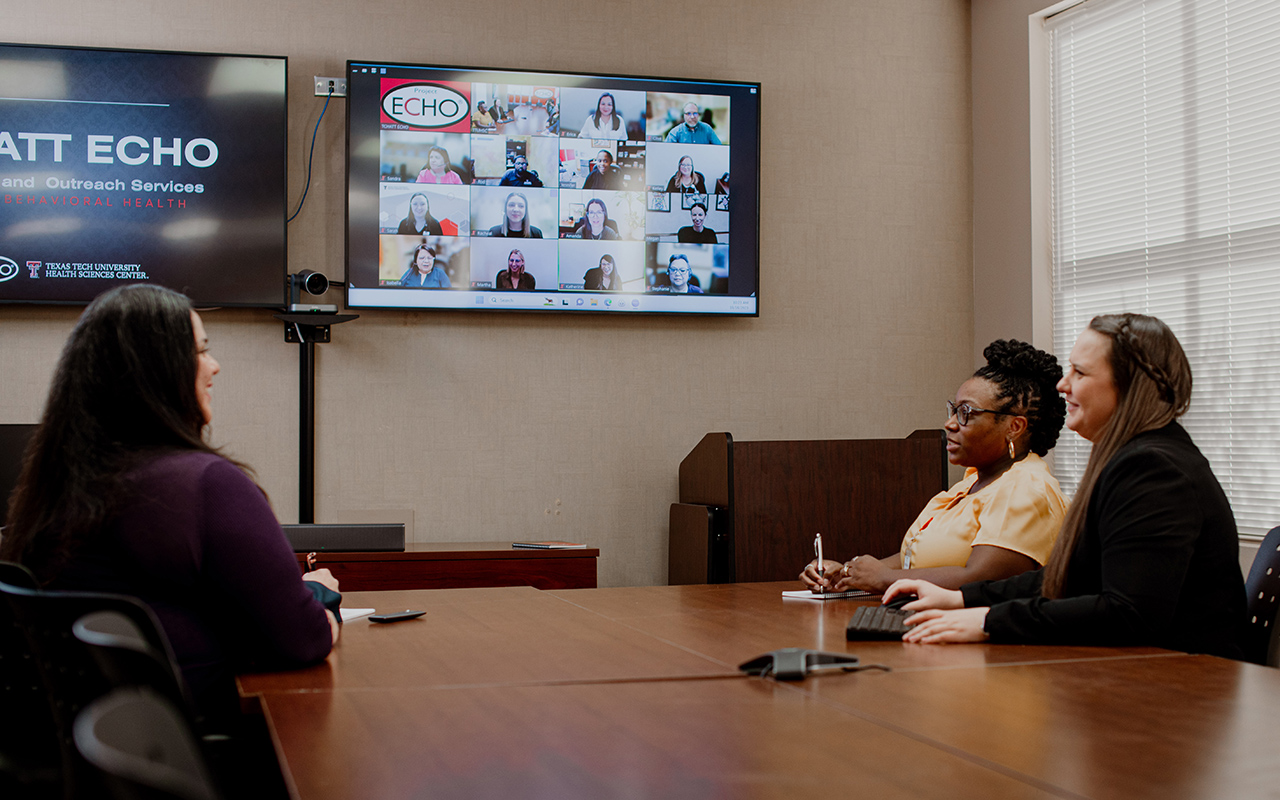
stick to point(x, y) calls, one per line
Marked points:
point(635, 693)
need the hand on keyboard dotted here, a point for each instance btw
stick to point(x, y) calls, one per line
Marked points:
point(877, 622)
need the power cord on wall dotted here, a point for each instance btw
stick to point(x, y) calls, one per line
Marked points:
point(311, 155)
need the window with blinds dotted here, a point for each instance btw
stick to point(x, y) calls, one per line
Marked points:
point(1165, 200)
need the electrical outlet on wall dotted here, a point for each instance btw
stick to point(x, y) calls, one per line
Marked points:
point(339, 86)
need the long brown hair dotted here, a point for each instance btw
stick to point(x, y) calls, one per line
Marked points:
point(124, 391)
point(1153, 387)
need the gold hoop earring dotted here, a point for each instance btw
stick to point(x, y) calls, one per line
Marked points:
point(1012, 453)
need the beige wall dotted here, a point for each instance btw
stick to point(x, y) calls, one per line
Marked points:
point(1003, 226)
point(485, 426)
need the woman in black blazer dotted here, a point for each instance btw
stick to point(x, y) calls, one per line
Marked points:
point(1148, 552)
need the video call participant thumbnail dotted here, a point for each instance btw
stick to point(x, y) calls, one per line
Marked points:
point(604, 278)
point(438, 168)
point(692, 130)
point(423, 273)
point(515, 219)
point(678, 273)
point(686, 179)
point(604, 123)
point(604, 175)
point(596, 223)
point(419, 219)
point(521, 175)
point(514, 276)
point(697, 233)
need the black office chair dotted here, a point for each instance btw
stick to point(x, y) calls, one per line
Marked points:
point(30, 761)
point(69, 672)
point(142, 747)
point(126, 658)
point(17, 575)
point(1261, 642)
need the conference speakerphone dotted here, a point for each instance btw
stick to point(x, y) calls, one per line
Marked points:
point(317, 538)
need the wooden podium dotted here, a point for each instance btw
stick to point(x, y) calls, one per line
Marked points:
point(748, 510)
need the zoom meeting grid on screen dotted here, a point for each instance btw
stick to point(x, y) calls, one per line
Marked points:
point(617, 190)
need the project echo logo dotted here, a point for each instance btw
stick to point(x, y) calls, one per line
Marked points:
point(8, 269)
point(425, 105)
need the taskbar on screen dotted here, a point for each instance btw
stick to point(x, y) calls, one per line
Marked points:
point(550, 301)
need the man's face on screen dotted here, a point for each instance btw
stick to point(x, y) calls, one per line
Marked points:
point(521, 165)
point(691, 115)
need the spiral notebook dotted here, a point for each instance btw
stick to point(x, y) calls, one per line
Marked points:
point(805, 594)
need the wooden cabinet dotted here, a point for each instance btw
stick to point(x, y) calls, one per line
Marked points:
point(748, 510)
point(461, 565)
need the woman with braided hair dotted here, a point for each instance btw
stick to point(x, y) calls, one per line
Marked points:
point(1001, 519)
point(1148, 550)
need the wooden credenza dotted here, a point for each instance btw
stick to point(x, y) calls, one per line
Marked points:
point(461, 565)
point(748, 510)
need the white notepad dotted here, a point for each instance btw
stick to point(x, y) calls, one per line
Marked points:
point(805, 594)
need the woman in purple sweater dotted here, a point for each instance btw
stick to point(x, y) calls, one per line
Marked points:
point(120, 493)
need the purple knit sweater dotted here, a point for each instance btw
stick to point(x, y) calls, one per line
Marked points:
point(198, 542)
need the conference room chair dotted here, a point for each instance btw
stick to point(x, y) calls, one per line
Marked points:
point(68, 670)
point(30, 761)
point(126, 657)
point(1261, 643)
point(143, 747)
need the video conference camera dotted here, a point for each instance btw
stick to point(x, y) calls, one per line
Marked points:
point(313, 283)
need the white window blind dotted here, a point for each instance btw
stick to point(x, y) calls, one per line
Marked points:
point(1165, 200)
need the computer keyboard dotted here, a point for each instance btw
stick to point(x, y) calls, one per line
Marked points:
point(877, 622)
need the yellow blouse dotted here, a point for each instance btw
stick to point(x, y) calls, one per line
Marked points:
point(1021, 511)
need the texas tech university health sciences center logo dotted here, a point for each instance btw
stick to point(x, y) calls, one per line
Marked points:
point(9, 269)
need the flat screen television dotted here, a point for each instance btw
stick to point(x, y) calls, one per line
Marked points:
point(480, 189)
point(121, 166)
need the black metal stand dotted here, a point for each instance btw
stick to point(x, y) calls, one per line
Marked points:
point(308, 330)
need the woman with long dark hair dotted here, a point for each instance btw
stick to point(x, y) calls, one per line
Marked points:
point(438, 168)
point(121, 493)
point(1148, 552)
point(604, 278)
point(604, 122)
point(595, 222)
point(419, 219)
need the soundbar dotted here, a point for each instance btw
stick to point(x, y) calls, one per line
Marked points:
point(317, 538)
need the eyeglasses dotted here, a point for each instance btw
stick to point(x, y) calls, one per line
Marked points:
point(964, 412)
point(684, 270)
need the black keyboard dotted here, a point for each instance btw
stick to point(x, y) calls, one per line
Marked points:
point(877, 622)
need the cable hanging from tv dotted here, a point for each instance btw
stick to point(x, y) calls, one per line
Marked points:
point(311, 155)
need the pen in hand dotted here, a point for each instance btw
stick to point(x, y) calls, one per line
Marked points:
point(311, 561)
point(817, 549)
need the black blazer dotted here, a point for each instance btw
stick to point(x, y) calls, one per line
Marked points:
point(1156, 564)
